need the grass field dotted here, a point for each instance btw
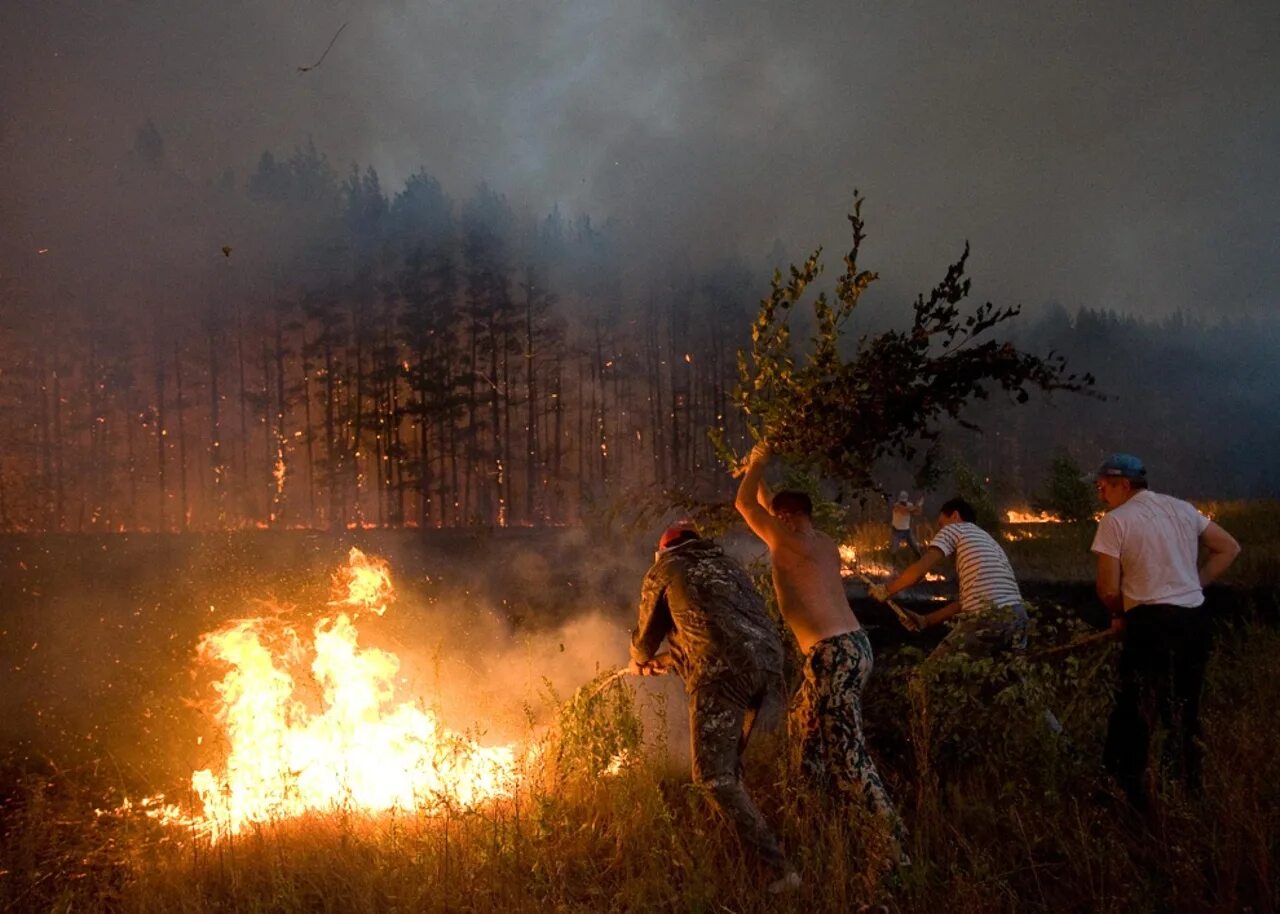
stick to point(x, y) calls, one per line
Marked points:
point(1004, 814)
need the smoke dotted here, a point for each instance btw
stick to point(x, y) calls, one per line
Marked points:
point(497, 649)
point(1119, 156)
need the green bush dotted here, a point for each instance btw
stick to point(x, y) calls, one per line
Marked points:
point(1066, 494)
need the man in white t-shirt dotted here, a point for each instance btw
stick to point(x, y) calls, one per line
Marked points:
point(992, 615)
point(1147, 576)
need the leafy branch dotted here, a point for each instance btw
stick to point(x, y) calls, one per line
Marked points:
point(839, 416)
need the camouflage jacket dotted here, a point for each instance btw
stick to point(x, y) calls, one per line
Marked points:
point(703, 602)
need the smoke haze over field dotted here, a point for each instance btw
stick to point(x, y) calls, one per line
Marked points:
point(1110, 156)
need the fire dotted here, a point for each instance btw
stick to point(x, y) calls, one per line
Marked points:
point(362, 749)
point(1014, 516)
point(851, 567)
point(365, 583)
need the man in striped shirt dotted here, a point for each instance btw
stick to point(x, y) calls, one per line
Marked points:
point(992, 615)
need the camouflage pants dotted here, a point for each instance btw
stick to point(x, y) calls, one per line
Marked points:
point(826, 725)
point(722, 714)
point(985, 632)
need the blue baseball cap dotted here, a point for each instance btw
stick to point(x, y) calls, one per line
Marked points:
point(1122, 466)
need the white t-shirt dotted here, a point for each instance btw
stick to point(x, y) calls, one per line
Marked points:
point(902, 516)
point(983, 568)
point(1157, 539)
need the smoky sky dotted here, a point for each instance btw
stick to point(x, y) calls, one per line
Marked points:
point(1096, 154)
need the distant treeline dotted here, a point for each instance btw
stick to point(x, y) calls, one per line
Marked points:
point(307, 349)
point(1198, 400)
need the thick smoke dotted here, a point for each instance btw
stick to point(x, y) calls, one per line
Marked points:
point(1122, 157)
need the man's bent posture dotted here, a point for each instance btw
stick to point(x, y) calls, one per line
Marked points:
point(826, 719)
point(991, 613)
point(729, 654)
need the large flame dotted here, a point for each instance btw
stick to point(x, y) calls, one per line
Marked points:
point(356, 748)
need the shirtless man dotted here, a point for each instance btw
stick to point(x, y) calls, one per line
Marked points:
point(826, 720)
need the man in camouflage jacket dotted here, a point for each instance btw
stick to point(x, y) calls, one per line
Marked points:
point(729, 654)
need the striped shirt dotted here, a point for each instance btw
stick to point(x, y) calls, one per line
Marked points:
point(985, 575)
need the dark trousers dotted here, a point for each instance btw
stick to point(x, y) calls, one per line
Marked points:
point(722, 715)
point(898, 537)
point(1162, 664)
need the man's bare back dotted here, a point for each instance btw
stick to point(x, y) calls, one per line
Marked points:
point(806, 562)
point(806, 578)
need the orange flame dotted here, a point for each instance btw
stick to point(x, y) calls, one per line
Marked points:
point(362, 750)
point(851, 567)
point(1014, 516)
point(365, 583)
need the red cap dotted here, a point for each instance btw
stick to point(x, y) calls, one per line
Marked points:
point(676, 532)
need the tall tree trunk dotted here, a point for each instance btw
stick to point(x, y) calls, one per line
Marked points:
point(131, 462)
point(89, 477)
point(357, 419)
point(244, 405)
point(268, 438)
point(473, 454)
point(424, 451)
point(583, 441)
point(531, 413)
point(557, 455)
point(599, 394)
point(332, 461)
point(162, 433)
point(216, 464)
point(499, 515)
point(48, 498)
point(59, 456)
point(184, 498)
point(657, 421)
point(280, 467)
point(505, 461)
point(395, 465)
point(310, 439)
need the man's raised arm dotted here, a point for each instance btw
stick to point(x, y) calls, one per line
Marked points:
point(750, 499)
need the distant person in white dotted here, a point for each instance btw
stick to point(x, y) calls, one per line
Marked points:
point(992, 615)
point(1147, 547)
point(903, 512)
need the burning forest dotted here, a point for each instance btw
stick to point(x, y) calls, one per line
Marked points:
point(448, 457)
